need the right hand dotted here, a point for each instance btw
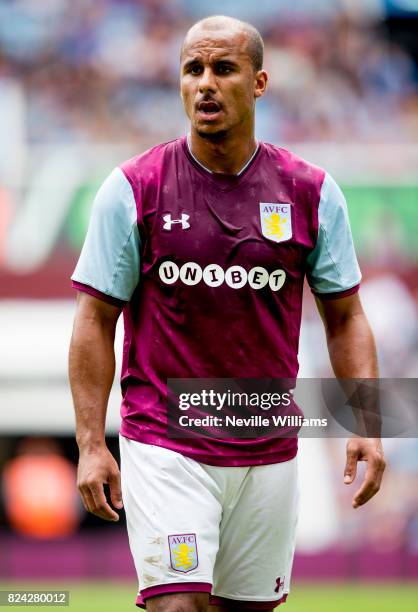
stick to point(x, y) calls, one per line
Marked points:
point(96, 468)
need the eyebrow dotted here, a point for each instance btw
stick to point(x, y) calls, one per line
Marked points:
point(220, 60)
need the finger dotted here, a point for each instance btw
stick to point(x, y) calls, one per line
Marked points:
point(85, 497)
point(366, 492)
point(115, 490)
point(350, 469)
point(87, 500)
point(371, 484)
point(101, 507)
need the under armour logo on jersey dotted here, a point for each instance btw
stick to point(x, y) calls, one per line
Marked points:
point(168, 221)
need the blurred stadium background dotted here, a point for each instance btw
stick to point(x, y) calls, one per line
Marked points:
point(88, 83)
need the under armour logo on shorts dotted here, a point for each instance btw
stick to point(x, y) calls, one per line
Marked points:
point(279, 584)
point(168, 221)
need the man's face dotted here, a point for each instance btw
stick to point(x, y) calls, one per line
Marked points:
point(218, 82)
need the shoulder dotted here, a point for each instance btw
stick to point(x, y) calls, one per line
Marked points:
point(331, 192)
point(114, 202)
point(148, 164)
point(114, 190)
point(301, 172)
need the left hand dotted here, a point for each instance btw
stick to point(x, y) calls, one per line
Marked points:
point(370, 450)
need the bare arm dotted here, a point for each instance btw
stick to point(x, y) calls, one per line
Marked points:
point(353, 355)
point(91, 371)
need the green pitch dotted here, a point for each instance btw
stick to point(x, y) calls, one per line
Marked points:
point(96, 597)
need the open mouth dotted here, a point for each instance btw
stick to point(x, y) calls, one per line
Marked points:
point(209, 107)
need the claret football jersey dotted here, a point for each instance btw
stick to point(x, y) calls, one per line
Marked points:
point(209, 270)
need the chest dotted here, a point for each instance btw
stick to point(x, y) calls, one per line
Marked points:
point(259, 223)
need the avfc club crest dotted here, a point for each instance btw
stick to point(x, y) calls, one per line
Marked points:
point(183, 552)
point(276, 221)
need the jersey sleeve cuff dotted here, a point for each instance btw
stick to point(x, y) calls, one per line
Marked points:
point(336, 295)
point(109, 299)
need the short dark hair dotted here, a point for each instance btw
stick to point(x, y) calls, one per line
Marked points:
point(255, 46)
point(255, 41)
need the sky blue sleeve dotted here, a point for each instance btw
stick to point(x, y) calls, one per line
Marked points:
point(109, 260)
point(332, 266)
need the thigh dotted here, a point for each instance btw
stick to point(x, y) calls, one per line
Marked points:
point(179, 602)
point(173, 515)
point(232, 608)
point(257, 539)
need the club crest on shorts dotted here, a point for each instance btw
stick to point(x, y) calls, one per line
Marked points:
point(276, 221)
point(183, 552)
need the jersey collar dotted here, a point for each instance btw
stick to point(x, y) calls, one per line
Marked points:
point(243, 169)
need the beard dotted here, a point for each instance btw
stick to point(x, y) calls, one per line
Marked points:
point(213, 136)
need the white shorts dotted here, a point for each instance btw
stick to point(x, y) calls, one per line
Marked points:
point(226, 531)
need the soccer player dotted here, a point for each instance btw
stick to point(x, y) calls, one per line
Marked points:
point(203, 243)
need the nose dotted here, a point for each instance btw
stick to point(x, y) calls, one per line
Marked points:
point(207, 81)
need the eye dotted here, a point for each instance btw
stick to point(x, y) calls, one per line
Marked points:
point(223, 69)
point(195, 69)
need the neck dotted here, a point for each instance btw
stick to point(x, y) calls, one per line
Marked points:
point(224, 156)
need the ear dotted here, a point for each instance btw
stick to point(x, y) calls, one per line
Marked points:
point(260, 83)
